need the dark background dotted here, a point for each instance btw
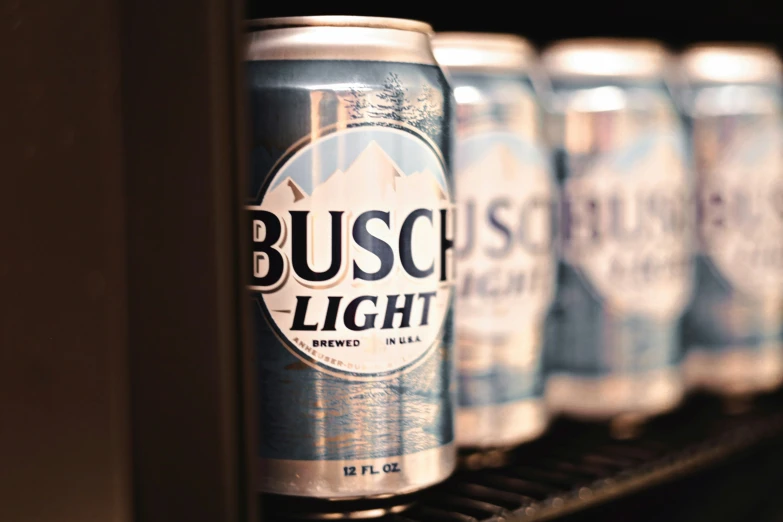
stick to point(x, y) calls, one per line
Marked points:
point(675, 22)
point(744, 488)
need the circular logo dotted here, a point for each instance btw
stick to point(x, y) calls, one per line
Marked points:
point(628, 227)
point(741, 213)
point(506, 204)
point(352, 251)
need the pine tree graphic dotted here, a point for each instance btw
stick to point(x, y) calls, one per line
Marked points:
point(392, 101)
point(357, 104)
point(428, 114)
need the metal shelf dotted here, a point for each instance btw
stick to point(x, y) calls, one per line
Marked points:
point(577, 465)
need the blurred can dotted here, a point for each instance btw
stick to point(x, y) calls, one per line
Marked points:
point(626, 231)
point(351, 207)
point(506, 259)
point(732, 97)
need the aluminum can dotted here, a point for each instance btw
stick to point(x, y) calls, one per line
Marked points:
point(352, 229)
point(732, 96)
point(626, 231)
point(506, 194)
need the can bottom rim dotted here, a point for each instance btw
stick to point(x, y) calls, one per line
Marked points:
point(304, 508)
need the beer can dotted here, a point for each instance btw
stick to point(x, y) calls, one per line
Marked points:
point(506, 194)
point(731, 94)
point(626, 231)
point(352, 228)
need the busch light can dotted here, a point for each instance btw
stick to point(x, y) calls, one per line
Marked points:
point(626, 231)
point(733, 331)
point(506, 195)
point(352, 234)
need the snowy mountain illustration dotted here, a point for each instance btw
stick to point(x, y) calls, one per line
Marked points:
point(285, 194)
point(507, 161)
point(499, 165)
point(372, 167)
point(419, 180)
point(373, 176)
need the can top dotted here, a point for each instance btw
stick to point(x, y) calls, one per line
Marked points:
point(606, 57)
point(340, 38)
point(482, 51)
point(731, 63)
point(400, 24)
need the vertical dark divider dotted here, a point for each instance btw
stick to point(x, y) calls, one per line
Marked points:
point(181, 89)
point(248, 390)
point(64, 412)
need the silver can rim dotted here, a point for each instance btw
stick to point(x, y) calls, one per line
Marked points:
point(374, 22)
point(480, 51)
point(460, 38)
point(640, 57)
point(737, 62)
point(733, 47)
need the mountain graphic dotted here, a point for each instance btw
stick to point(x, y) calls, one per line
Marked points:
point(373, 170)
point(507, 160)
point(374, 159)
point(298, 193)
point(500, 164)
point(285, 194)
point(425, 177)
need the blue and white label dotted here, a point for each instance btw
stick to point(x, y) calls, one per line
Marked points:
point(627, 239)
point(350, 223)
point(506, 280)
point(352, 252)
point(507, 200)
point(734, 328)
point(741, 214)
point(627, 228)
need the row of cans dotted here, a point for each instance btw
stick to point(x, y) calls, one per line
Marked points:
point(455, 237)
